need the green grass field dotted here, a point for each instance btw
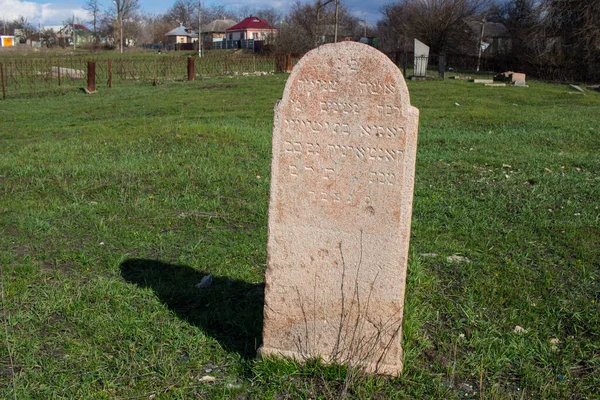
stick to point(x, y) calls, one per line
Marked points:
point(114, 205)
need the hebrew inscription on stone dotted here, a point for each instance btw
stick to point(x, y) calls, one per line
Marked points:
point(342, 176)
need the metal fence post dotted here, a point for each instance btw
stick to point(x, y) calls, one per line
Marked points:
point(441, 65)
point(155, 67)
point(190, 68)
point(91, 76)
point(405, 63)
point(280, 63)
point(3, 84)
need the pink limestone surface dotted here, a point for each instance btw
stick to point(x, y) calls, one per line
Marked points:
point(517, 76)
point(342, 177)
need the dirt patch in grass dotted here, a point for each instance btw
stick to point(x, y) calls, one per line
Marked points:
point(433, 356)
point(10, 229)
point(63, 267)
point(7, 371)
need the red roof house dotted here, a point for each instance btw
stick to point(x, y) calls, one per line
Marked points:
point(251, 28)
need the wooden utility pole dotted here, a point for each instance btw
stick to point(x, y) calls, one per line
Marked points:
point(200, 28)
point(190, 69)
point(73, 33)
point(319, 6)
point(337, 6)
point(2, 79)
point(121, 29)
point(480, 42)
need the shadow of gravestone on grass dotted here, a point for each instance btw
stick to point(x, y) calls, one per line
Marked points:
point(342, 177)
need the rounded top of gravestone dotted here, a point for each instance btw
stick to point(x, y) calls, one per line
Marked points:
point(345, 128)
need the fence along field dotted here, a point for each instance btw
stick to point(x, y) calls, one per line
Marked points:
point(30, 76)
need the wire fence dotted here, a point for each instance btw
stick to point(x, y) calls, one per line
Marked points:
point(434, 65)
point(23, 77)
point(30, 77)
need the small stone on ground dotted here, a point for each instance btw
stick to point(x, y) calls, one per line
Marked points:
point(429, 255)
point(519, 329)
point(205, 282)
point(455, 258)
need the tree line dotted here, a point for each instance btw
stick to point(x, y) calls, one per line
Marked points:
point(561, 34)
point(557, 39)
point(304, 27)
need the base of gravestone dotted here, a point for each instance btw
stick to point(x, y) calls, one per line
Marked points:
point(369, 368)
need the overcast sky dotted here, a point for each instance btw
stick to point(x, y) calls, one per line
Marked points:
point(55, 12)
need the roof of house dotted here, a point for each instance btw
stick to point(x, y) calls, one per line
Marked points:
point(218, 25)
point(491, 29)
point(81, 27)
point(54, 28)
point(77, 27)
point(250, 23)
point(181, 31)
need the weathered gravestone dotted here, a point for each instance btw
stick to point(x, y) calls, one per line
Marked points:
point(344, 144)
point(421, 59)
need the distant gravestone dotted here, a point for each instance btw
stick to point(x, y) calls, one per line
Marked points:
point(421, 58)
point(342, 177)
point(516, 78)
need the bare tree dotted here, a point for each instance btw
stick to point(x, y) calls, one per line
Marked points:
point(269, 14)
point(156, 27)
point(48, 37)
point(183, 12)
point(589, 35)
point(122, 11)
point(570, 35)
point(438, 23)
point(521, 19)
point(209, 14)
point(311, 24)
point(21, 23)
point(93, 7)
point(394, 28)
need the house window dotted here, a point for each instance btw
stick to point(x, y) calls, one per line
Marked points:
point(255, 35)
